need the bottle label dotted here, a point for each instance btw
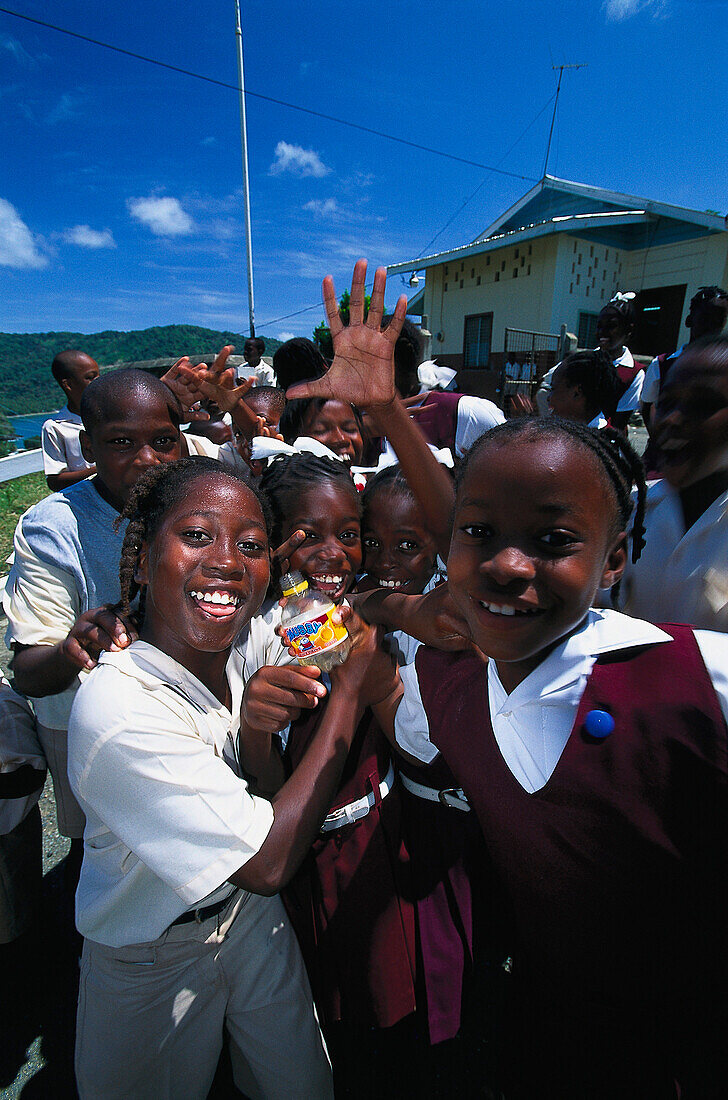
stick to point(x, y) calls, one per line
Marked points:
point(315, 635)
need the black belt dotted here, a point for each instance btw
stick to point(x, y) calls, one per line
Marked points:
point(204, 913)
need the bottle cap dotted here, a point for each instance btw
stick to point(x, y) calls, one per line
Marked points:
point(293, 583)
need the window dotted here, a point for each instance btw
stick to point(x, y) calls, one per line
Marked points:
point(591, 250)
point(477, 281)
point(472, 273)
point(516, 255)
point(529, 249)
point(487, 261)
point(571, 288)
point(497, 276)
point(462, 267)
point(580, 257)
point(523, 261)
point(578, 279)
point(461, 284)
point(515, 272)
point(606, 253)
point(446, 269)
point(587, 330)
point(573, 268)
point(503, 265)
point(476, 340)
point(445, 288)
point(528, 272)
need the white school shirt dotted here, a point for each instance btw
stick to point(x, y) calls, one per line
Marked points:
point(475, 416)
point(60, 443)
point(532, 725)
point(681, 576)
point(152, 760)
point(630, 399)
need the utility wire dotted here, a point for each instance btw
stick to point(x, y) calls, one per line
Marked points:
point(483, 182)
point(266, 98)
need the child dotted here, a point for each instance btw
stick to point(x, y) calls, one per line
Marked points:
point(267, 404)
point(253, 352)
point(66, 561)
point(592, 748)
point(585, 387)
point(441, 836)
point(63, 461)
point(183, 935)
point(615, 325)
point(352, 888)
point(336, 424)
point(682, 575)
point(298, 360)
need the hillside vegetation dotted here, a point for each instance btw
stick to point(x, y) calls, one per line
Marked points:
point(26, 383)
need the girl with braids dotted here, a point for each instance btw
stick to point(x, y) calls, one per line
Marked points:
point(615, 325)
point(593, 750)
point(585, 387)
point(348, 901)
point(184, 933)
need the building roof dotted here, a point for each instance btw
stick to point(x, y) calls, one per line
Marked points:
point(593, 213)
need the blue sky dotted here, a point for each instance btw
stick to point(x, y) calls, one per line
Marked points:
point(120, 182)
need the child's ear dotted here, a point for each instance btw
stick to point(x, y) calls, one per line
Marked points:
point(140, 573)
point(616, 561)
point(86, 447)
point(65, 384)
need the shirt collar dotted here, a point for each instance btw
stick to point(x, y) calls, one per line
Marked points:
point(626, 359)
point(603, 631)
point(154, 669)
point(66, 414)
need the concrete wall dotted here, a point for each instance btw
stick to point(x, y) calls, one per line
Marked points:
point(524, 301)
point(587, 275)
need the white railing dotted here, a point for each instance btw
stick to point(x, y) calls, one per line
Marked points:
point(22, 462)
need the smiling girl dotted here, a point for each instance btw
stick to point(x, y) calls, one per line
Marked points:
point(351, 890)
point(592, 747)
point(183, 933)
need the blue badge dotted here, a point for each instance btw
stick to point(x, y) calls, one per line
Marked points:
point(598, 724)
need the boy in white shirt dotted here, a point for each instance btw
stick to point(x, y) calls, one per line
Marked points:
point(63, 460)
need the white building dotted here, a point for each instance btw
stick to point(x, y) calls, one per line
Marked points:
point(554, 259)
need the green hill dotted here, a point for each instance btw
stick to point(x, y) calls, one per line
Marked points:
point(26, 383)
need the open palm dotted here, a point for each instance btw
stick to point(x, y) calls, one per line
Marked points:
point(363, 368)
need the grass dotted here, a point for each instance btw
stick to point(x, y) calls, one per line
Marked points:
point(15, 498)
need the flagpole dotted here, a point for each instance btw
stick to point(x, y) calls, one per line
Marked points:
point(244, 145)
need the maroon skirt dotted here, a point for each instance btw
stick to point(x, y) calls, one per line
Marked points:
point(351, 902)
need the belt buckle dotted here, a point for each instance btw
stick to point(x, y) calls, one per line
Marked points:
point(450, 792)
point(198, 918)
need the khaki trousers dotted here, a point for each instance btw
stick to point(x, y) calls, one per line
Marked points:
point(151, 1016)
point(71, 818)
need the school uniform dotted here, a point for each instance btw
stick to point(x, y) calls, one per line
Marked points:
point(353, 888)
point(681, 576)
point(654, 375)
point(67, 552)
point(456, 420)
point(631, 378)
point(173, 951)
point(61, 444)
point(611, 850)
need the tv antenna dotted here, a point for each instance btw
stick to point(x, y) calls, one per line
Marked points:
point(581, 65)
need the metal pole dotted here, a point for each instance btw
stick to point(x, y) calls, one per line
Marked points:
point(244, 144)
point(556, 103)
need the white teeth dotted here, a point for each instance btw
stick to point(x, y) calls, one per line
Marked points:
point(216, 597)
point(502, 609)
point(327, 578)
point(391, 584)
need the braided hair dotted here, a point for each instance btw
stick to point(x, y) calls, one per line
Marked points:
point(596, 376)
point(285, 479)
point(390, 479)
point(156, 492)
point(624, 307)
point(622, 466)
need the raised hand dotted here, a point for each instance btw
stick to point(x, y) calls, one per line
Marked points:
point(94, 632)
point(363, 368)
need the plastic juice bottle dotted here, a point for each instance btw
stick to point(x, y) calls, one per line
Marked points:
point(308, 626)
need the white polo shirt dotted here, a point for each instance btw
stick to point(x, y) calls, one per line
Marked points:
point(60, 443)
point(532, 725)
point(681, 576)
point(152, 760)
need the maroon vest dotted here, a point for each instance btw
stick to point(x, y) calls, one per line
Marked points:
point(616, 868)
point(439, 418)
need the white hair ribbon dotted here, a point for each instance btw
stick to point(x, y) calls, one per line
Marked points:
point(627, 296)
point(431, 375)
point(266, 447)
point(388, 458)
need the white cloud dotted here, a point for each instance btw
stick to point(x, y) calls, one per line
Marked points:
point(18, 52)
point(618, 10)
point(163, 215)
point(17, 244)
point(299, 161)
point(286, 336)
point(86, 237)
point(323, 208)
